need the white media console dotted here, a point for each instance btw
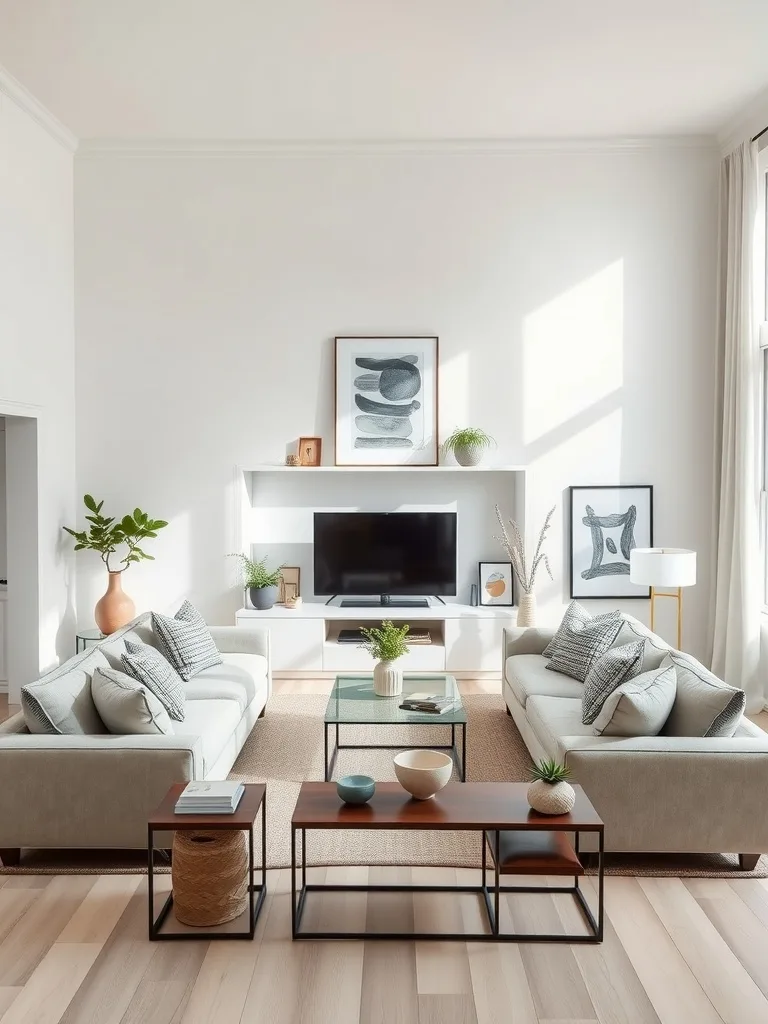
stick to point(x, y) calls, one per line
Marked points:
point(466, 641)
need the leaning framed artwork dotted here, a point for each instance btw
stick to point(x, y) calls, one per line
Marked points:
point(496, 584)
point(606, 523)
point(386, 401)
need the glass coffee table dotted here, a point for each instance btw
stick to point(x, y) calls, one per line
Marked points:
point(353, 702)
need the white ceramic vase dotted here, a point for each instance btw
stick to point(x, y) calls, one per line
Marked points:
point(526, 610)
point(387, 679)
point(469, 454)
point(547, 798)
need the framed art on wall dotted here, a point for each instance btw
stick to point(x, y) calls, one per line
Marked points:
point(496, 584)
point(606, 523)
point(386, 401)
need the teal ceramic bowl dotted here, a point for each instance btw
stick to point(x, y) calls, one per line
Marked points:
point(356, 789)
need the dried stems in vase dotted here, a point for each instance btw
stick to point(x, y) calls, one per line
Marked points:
point(511, 540)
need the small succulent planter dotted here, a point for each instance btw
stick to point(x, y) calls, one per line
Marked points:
point(550, 792)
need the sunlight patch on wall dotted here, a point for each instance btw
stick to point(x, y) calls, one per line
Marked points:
point(455, 386)
point(573, 351)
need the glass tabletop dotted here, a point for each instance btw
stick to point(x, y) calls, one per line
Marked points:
point(353, 701)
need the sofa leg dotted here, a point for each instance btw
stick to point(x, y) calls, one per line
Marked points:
point(748, 861)
point(11, 858)
point(508, 711)
point(263, 712)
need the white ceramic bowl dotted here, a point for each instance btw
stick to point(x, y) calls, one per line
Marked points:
point(422, 773)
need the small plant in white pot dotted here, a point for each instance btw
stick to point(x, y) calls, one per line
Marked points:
point(513, 543)
point(261, 583)
point(387, 644)
point(550, 792)
point(468, 445)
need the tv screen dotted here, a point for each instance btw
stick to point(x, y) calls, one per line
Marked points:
point(408, 553)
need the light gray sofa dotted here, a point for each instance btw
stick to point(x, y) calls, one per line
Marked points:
point(97, 790)
point(656, 794)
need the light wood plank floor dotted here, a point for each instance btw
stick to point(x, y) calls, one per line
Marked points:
point(73, 950)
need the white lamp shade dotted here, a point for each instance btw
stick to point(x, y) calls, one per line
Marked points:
point(662, 567)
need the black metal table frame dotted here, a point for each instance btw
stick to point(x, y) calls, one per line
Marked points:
point(491, 898)
point(254, 904)
point(336, 746)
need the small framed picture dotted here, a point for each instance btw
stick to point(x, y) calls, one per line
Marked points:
point(290, 583)
point(310, 451)
point(496, 584)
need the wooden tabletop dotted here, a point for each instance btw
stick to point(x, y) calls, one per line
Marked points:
point(243, 817)
point(459, 805)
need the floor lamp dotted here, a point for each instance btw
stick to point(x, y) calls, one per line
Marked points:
point(672, 568)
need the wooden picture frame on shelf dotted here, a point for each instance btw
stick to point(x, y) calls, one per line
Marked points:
point(290, 583)
point(310, 451)
point(496, 584)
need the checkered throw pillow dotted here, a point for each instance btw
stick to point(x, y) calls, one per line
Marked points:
point(580, 645)
point(608, 672)
point(576, 616)
point(147, 664)
point(186, 641)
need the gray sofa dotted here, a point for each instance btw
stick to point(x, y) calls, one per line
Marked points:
point(97, 790)
point(656, 794)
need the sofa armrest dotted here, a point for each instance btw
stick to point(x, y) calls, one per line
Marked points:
point(676, 793)
point(241, 640)
point(88, 791)
point(519, 640)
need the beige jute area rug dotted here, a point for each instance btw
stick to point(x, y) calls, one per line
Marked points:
point(285, 748)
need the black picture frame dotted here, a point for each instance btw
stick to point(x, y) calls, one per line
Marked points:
point(641, 536)
point(481, 587)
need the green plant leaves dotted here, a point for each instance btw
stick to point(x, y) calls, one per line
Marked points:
point(105, 535)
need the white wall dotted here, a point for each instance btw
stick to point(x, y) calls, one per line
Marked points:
point(3, 532)
point(573, 294)
point(37, 347)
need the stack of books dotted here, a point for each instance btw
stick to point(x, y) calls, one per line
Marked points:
point(432, 703)
point(210, 798)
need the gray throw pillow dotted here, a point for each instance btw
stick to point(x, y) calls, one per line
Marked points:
point(656, 649)
point(581, 644)
point(704, 705)
point(61, 704)
point(186, 641)
point(640, 706)
point(153, 670)
point(606, 673)
point(126, 706)
point(575, 617)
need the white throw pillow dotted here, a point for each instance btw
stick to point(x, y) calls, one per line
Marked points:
point(704, 705)
point(61, 703)
point(639, 706)
point(126, 706)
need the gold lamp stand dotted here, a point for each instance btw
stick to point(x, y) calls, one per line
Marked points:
point(676, 595)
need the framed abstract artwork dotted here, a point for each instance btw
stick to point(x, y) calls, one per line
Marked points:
point(496, 584)
point(606, 523)
point(386, 401)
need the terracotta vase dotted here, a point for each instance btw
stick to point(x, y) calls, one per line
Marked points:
point(115, 609)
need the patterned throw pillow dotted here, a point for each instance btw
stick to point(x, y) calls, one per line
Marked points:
point(147, 664)
point(608, 672)
point(186, 641)
point(576, 616)
point(580, 645)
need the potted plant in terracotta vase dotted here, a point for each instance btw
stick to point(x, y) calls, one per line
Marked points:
point(262, 584)
point(387, 644)
point(107, 535)
point(512, 541)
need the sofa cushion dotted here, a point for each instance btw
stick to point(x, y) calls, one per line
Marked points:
point(150, 668)
point(214, 721)
point(126, 706)
point(576, 616)
point(704, 705)
point(581, 644)
point(527, 675)
point(639, 706)
point(239, 677)
point(61, 703)
point(186, 641)
point(655, 648)
point(606, 673)
point(113, 647)
point(555, 718)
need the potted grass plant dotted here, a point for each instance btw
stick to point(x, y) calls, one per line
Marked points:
point(513, 542)
point(550, 792)
point(468, 445)
point(387, 644)
point(262, 584)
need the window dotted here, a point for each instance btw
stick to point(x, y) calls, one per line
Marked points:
point(762, 288)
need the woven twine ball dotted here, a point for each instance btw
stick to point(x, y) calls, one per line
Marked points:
point(210, 877)
point(292, 460)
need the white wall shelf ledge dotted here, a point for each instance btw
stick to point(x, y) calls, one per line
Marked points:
point(279, 468)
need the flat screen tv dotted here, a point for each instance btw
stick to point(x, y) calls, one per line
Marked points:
point(382, 553)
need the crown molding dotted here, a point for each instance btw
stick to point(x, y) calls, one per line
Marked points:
point(249, 148)
point(13, 89)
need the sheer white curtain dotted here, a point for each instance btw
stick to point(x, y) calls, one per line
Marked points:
point(737, 593)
